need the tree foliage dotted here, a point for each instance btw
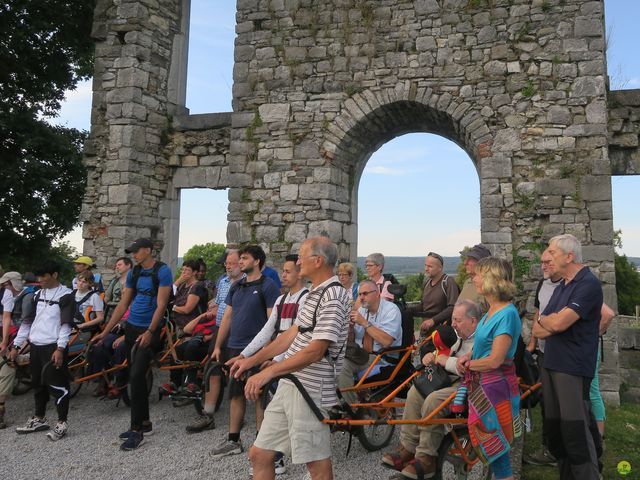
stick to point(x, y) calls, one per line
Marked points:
point(627, 280)
point(45, 50)
point(461, 271)
point(415, 285)
point(210, 253)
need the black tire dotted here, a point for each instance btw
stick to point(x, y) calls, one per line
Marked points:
point(375, 437)
point(76, 370)
point(451, 465)
point(22, 381)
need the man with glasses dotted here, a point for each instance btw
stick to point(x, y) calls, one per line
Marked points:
point(374, 264)
point(439, 295)
point(314, 347)
point(377, 324)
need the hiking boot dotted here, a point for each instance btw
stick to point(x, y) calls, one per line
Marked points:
point(204, 422)
point(279, 464)
point(226, 448)
point(147, 429)
point(135, 440)
point(397, 459)
point(34, 424)
point(427, 463)
point(542, 457)
point(59, 431)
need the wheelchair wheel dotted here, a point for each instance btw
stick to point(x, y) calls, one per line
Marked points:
point(22, 380)
point(375, 437)
point(451, 464)
point(76, 370)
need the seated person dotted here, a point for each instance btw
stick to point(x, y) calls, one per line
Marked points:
point(374, 264)
point(89, 312)
point(201, 331)
point(439, 295)
point(346, 277)
point(190, 295)
point(421, 443)
point(376, 325)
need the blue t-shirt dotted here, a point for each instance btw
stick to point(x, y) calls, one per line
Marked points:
point(505, 321)
point(249, 311)
point(273, 275)
point(146, 300)
point(575, 350)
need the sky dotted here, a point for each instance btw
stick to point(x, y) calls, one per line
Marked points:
point(424, 168)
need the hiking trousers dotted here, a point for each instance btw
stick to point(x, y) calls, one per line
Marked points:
point(52, 380)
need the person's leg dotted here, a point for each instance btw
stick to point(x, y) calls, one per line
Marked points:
point(140, 360)
point(551, 420)
point(262, 463)
point(581, 447)
point(431, 435)
point(321, 469)
point(194, 353)
point(7, 376)
point(597, 404)
point(37, 360)
point(238, 406)
point(58, 384)
point(176, 375)
point(345, 379)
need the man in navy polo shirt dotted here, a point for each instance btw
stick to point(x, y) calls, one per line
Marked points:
point(146, 295)
point(570, 326)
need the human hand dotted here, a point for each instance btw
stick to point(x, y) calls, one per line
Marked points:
point(118, 341)
point(241, 366)
point(463, 363)
point(215, 355)
point(428, 359)
point(97, 339)
point(13, 354)
point(254, 384)
point(427, 325)
point(266, 364)
point(57, 357)
point(144, 340)
point(229, 363)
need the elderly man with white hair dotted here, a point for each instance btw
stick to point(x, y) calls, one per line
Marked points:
point(570, 326)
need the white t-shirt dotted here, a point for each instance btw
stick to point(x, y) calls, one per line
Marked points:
point(292, 304)
point(94, 301)
point(46, 327)
point(7, 300)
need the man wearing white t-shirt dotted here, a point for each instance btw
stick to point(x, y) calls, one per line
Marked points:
point(48, 330)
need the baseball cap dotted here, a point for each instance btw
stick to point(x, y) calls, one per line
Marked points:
point(138, 244)
point(478, 252)
point(85, 260)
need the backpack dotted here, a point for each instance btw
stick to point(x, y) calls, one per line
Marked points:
point(137, 272)
point(277, 329)
point(527, 370)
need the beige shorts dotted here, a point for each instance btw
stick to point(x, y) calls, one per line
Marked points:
point(290, 427)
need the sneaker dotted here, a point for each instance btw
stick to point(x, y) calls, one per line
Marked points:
point(542, 457)
point(204, 422)
point(34, 424)
point(168, 389)
point(427, 462)
point(147, 429)
point(279, 465)
point(59, 431)
point(226, 448)
point(134, 440)
point(191, 389)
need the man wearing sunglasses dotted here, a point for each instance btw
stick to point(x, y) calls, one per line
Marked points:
point(377, 324)
point(439, 295)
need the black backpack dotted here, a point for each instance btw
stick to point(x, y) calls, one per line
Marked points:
point(78, 318)
point(137, 272)
point(527, 370)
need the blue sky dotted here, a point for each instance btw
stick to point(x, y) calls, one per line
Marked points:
point(425, 168)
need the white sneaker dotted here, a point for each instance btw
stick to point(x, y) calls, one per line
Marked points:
point(59, 431)
point(34, 424)
point(279, 465)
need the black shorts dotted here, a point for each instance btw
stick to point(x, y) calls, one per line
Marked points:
point(236, 385)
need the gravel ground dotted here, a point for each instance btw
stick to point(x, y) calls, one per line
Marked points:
point(91, 448)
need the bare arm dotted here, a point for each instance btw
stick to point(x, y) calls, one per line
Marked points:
point(279, 345)
point(548, 325)
point(225, 327)
point(606, 317)
point(533, 340)
point(121, 308)
point(496, 358)
point(192, 302)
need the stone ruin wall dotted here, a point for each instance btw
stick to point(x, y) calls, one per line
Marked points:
point(520, 85)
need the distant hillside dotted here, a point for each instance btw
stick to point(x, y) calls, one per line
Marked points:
point(411, 265)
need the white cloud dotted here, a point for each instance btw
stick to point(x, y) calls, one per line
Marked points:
point(75, 111)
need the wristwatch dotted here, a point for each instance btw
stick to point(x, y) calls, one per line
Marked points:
point(368, 325)
point(61, 349)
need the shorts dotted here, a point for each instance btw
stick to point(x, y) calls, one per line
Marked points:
point(291, 427)
point(235, 385)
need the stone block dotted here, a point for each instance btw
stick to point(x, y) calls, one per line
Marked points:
point(289, 192)
point(424, 44)
point(507, 140)
point(267, 233)
point(274, 112)
point(597, 253)
point(295, 232)
point(495, 167)
point(329, 228)
point(601, 231)
point(238, 232)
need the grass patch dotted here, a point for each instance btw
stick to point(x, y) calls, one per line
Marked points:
point(622, 443)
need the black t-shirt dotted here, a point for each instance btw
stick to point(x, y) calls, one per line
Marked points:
point(575, 350)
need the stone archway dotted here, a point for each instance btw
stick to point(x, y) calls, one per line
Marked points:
point(371, 119)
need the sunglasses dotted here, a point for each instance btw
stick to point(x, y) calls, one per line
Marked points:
point(436, 256)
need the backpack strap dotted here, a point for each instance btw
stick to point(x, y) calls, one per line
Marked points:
point(443, 285)
point(278, 324)
point(315, 311)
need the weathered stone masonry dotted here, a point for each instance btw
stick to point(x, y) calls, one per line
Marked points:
point(520, 85)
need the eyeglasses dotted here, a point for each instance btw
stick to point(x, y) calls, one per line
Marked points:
point(436, 256)
point(300, 258)
point(364, 294)
point(369, 265)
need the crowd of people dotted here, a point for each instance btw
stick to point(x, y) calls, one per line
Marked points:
point(318, 323)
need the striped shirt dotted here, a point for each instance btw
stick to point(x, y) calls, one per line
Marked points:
point(332, 322)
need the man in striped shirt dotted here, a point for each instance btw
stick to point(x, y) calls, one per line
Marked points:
point(314, 348)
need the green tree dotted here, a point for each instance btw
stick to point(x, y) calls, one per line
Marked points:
point(46, 48)
point(627, 280)
point(210, 253)
point(415, 285)
point(461, 271)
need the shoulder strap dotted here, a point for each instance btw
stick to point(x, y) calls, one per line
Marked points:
point(315, 311)
point(155, 278)
point(443, 285)
point(276, 328)
point(85, 298)
point(135, 275)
